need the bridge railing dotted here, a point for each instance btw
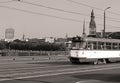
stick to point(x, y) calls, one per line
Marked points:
point(31, 53)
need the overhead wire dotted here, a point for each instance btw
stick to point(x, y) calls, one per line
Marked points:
point(84, 5)
point(27, 11)
point(7, 1)
point(59, 9)
point(26, 2)
point(79, 3)
point(69, 19)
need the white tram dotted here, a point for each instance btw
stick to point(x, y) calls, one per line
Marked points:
point(95, 50)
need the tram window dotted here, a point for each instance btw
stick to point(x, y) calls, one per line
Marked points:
point(78, 45)
point(94, 45)
point(108, 46)
point(104, 45)
point(119, 45)
point(100, 45)
point(114, 46)
point(73, 46)
point(90, 45)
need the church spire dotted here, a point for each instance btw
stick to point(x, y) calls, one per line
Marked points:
point(92, 25)
point(92, 13)
point(84, 34)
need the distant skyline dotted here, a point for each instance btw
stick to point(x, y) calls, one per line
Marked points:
point(56, 18)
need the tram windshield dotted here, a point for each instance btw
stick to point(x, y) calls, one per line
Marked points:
point(78, 43)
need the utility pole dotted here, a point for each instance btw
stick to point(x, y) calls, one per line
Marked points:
point(105, 21)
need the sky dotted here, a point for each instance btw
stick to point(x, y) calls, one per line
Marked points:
point(56, 18)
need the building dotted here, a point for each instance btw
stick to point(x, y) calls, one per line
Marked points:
point(36, 41)
point(9, 34)
point(49, 39)
point(60, 40)
point(94, 33)
point(24, 38)
point(114, 35)
point(92, 25)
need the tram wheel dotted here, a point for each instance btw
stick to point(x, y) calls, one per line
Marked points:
point(100, 61)
point(95, 62)
point(74, 60)
point(104, 61)
point(107, 61)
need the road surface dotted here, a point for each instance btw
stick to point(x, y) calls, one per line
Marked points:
point(55, 69)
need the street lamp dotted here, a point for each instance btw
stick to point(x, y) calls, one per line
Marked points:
point(105, 20)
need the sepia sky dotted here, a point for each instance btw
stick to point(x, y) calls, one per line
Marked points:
point(56, 18)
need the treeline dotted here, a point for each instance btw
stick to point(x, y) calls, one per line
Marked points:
point(27, 45)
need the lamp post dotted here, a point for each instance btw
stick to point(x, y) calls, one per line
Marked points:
point(105, 20)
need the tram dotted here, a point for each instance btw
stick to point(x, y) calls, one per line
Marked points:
point(94, 50)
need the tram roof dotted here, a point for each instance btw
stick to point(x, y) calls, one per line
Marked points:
point(102, 40)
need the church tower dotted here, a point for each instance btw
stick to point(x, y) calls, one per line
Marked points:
point(92, 25)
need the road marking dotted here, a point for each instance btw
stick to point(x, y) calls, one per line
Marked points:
point(62, 73)
point(63, 70)
point(28, 68)
point(89, 81)
point(80, 82)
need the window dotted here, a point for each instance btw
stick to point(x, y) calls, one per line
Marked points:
point(78, 45)
point(95, 45)
point(119, 45)
point(114, 46)
point(100, 45)
point(108, 46)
